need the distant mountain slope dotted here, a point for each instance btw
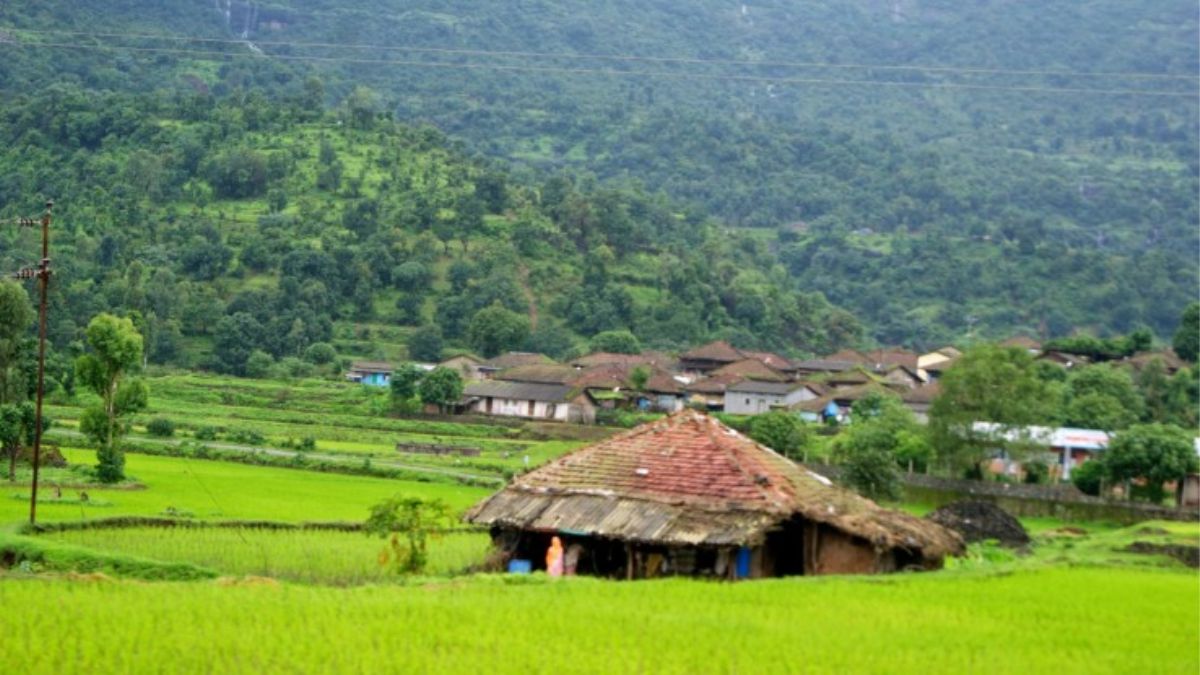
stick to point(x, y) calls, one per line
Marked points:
point(965, 189)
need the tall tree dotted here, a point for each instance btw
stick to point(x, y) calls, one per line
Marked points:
point(495, 329)
point(1187, 337)
point(441, 387)
point(116, 351)
point(16, 316)
point(1102, 397)
point(1157, 453)
point(994, 385)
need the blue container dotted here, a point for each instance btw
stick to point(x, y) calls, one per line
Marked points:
point(743, 563)
point(517, 566)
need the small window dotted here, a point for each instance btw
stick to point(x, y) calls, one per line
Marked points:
point(747, 401)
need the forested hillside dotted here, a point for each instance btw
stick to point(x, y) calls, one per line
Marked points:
point(232, 225)
point(999, 167)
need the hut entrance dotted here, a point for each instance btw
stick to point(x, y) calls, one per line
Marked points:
point(785, 548)
point(584, 555)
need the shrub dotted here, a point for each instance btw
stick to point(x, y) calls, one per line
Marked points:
point(258, 364)
point(207, 433)
point(161, 427)
point(1036, 473)
point(246, 437)
point(1088, 477)
point(320, 353)
point(780, 431)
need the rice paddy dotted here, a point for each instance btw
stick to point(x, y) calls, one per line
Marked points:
point(215, 593)
point(303, 556)
point(1053, 620)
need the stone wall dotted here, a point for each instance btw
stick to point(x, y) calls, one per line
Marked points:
point(1031, 501)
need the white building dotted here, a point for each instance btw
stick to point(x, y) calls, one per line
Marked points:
point(753, 397)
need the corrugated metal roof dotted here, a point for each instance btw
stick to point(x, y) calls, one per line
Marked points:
point(760, 387)
point(521, 391)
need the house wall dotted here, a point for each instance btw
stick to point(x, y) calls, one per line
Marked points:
point(839, 553)
point(375, 379)
point(508, 407)
point(751, 403)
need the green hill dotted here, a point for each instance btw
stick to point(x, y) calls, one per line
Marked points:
point(234, 225)
point(999, 166)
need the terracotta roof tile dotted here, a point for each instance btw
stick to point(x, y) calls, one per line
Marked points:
point(719, 351)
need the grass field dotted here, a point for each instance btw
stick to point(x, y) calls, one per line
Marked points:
point(307, 556)
point(220, 490)
point(250, 599)
point(342, 419)
point(1047, 621)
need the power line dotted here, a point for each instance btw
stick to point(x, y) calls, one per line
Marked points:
point(618, 73)
point(635, 58)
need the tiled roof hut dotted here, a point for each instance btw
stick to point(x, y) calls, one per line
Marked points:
point(687, 495)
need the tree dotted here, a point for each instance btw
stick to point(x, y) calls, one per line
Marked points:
point(404, 382)
point(994, 385)
point(17, 425)
point(320, 353)
point(441, 387)
point(616, 342)
point(782, 432)
point(494, 330)
point(884, 435)
point(904, 437)
point(116, 351)
point(638, 378)
point(234, 339)
point(1187, 337)
point(1157, 453)
point(426, 344)
point(259, 364)
point(407, 523)
point(16, 316)
point(1102, 397)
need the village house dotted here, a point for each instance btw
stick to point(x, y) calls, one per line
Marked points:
point(689, 496)
point(373, 373)
point(706, 359)
point(836, 403)
point(753, 397)
point(531, 400)
point(511, 360)
point(925, 361)
point(1023, 342)
point(934, 371)
point(1167, 357)
point(465, 365)
point(822, 367)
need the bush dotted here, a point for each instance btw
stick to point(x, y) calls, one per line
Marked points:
point(320, 353)
point(246, 437)
point(207, 433)
point(259, 364)
point(780, 431)
point(291, 367)
point(1036, 473)
point(161, 427)
point(1088, 477)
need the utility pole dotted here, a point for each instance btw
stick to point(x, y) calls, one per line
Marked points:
point(42, 273)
